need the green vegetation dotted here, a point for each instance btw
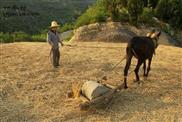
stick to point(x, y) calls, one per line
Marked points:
point(21, 36)
point(28, 20)
point(170, 11)
point(147, 16)
point(6, 38)
point(95, 13)
point(135, 9)
point(32, 16)
point(66, 27)
point(69, 14)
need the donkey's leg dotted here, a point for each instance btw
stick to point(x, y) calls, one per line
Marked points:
point(144, 69)
point(127, 66)
point(137, 69)
point(148, 68)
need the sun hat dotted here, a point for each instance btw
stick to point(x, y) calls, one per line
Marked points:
point(54, 24)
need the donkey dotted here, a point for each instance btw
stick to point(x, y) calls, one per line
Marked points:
point(142, 48)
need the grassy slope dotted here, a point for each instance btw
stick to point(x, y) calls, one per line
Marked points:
point(31, 90)
point(60, 10)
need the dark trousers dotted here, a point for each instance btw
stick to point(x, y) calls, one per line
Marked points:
point(55, 57)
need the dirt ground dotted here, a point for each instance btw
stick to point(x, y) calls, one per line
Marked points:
point(31, 90)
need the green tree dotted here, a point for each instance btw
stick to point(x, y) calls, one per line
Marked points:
point(111, 7)
point(135, 9)
point(114, 7)
point(95, 13)
point(153, 3)
point(150, 3)
point(170, 11)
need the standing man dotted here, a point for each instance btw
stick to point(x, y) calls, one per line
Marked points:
point(54, 40)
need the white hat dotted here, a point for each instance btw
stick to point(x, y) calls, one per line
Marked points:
point(54, 24)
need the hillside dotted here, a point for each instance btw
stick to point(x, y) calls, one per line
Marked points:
point(31, 90)
point(32, 16)
point(116, 32)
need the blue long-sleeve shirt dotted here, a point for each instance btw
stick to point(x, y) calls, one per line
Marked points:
point(53, 39)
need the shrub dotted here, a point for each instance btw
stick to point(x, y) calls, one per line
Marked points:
point(6, 38)
point(135, 9)
point(123, 15)
point(147, 16)
point(114, 8)
point(170, 11)
point(66, 27)
point(95, 13)
point(39, 38)
point(21, 36)
point(150, 3)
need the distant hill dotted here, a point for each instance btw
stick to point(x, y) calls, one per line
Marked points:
point(31, 16)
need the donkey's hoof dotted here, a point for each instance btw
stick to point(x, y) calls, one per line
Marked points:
point(135, 81)
point(125, 87)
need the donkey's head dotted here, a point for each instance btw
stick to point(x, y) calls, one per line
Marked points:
point(154, 35)
point(149, 34)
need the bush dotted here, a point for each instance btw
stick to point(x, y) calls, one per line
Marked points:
point(95, 13)
point(6, 38)
point(170, 11)
point(147, 16)
point(39, 38)
point(135, 9)
point(66, 27)
point(123, 15)
point(21, 36)
point(114, 8)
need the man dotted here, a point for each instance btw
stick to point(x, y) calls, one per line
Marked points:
point(54, 40)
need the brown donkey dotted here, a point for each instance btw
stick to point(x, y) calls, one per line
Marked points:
point(142, 48)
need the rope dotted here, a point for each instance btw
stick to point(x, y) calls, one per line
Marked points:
point(116, 65)
point(69, 45)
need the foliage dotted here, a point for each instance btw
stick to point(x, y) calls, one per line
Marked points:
point(135, 9)
point(170, 11)
point(66, 27)
point(147, 16)
point(95, 13)
point(6, 38)
point(63, 11)
point(150, 3)
point(39, 37)
point(123, 15)
point(113, 8)
point(21, 36)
